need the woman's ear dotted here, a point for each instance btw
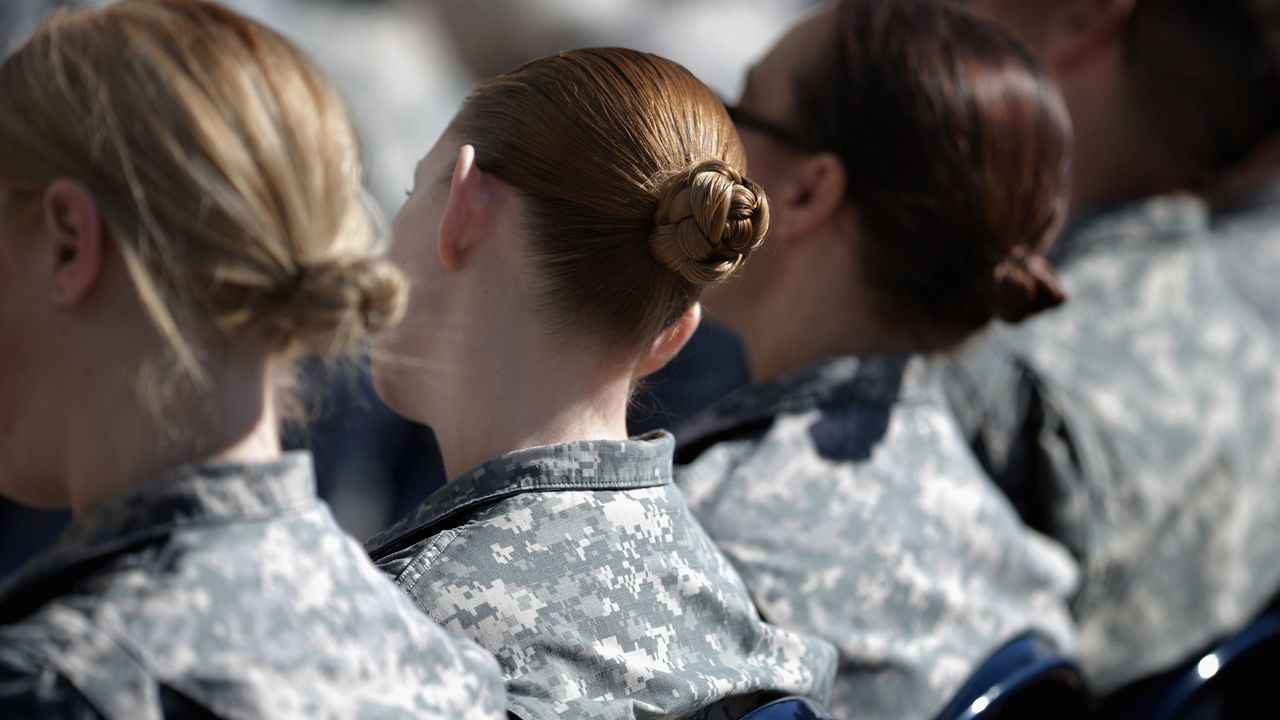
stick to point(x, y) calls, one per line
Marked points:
point(669, 343)
point(813, 197)
point(468, 207)
point(73, 256)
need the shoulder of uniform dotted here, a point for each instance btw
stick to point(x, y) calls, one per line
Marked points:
point(58, 663)
point(32, 686)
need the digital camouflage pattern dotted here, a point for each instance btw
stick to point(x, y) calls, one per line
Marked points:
point(580, 568)
point(1138, 425)
point(846, 496)
point(226, 591)
point(1247, 238)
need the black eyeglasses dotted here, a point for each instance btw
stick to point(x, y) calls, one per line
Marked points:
point(747, 119)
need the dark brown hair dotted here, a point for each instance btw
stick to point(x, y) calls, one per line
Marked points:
point(1206, 78)
point(632, 175)
point(956, 146)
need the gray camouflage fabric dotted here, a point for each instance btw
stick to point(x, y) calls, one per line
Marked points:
point(847, 497)
point(1137, 425)
point(1247, 238)
point(226, 591)
point(580, 568)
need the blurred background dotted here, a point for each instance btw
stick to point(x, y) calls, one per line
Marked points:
point(404, 66)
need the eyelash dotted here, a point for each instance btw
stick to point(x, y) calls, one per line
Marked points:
point(408, 193)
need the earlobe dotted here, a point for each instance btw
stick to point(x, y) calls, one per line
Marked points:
point(460, 210)
point(670, 342)
point(73, 223)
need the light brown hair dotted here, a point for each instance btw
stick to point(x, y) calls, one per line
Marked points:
point(633, 177)
point(224, 165)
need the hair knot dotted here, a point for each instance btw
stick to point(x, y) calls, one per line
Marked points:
point(709, 219)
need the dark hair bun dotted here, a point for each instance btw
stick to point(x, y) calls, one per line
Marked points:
point(709, 219)
point(1023, 284)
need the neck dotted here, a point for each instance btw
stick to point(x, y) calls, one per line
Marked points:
point(819, 311)
point(502, 400)
point(123, 443)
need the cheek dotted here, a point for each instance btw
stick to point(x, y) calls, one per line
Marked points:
point(13, 360)
point(730, 303)
point(401, 350)
point(756, 150)
point(28, 467)
point(766, 167)
point(413, 250)
point(408, 237)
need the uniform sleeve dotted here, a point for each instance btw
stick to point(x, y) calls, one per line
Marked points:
point(33, 690)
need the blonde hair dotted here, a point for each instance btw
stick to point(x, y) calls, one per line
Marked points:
point(224, 165)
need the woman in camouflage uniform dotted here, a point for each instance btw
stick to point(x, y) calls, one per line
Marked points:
point(558, 236)
point(916, 159)
point(181, 217)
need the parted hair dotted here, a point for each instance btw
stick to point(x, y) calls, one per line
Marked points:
point(633, 177)
point(224, 165)
point(957, 148)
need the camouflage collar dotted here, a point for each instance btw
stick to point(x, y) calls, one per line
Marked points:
point(1158, 219)
point(880, 380)
point(193, 495)
point(584, 465)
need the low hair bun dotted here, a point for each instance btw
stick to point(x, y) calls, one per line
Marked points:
point(1023, 284)
point(709, 219)
point(329, 305)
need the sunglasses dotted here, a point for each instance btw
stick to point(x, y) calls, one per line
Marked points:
point(744, 118)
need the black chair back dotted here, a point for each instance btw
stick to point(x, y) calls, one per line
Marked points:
point(1026, 678)
point(1234, 680)
point(790, 708)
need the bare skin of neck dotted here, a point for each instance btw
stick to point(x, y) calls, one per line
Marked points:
point(515, 386)
point(822, 311)
point(119, 443)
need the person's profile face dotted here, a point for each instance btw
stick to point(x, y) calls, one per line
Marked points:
point(27, 402)
point(774, 140)
point(416, 227)
point(414, 251)
point(766, 113)
point(8, 340)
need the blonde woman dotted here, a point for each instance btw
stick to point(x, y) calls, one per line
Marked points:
point(181, 217)
point(559, 235)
